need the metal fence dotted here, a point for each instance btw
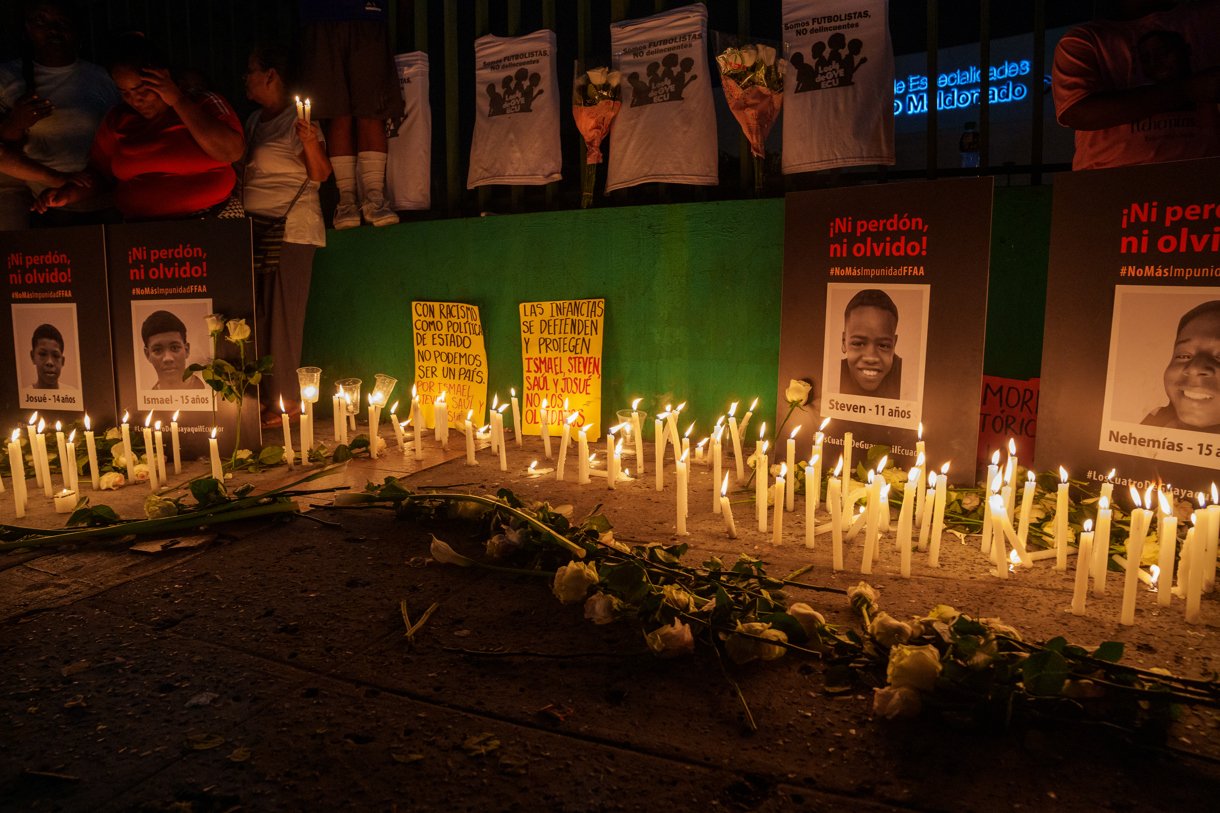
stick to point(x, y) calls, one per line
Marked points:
point(213, 37)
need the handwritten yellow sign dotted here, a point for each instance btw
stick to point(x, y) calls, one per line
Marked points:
point(561, 353)
point(450, 358)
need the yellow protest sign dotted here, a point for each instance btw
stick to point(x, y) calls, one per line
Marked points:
point(561, 355)
point(450, 358)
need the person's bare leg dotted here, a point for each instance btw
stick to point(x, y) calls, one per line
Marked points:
point(371, 159)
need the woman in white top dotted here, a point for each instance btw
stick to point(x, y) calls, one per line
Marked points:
point(282, 151)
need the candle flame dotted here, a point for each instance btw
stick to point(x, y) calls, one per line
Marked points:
point(1088, 525)
point(913, 475)
point(34, 417)
point(173, 419)
point(394, 409)
point(1202, 499)
point(627, 473)
point(347, 398)
point(823, 425)
point(446, 392)
point(87, 425)
point(1012, 447)
point(1104, 504)
point(572, 418)
point(213, 433)
point(636, 403)
point(1135, 498)
point(72, 437)
point(512, 391)
point(618, 449)
point(919, 459)
point(995, 458)
point(995, 485)
point(1193, 521)
point(815, 460)
point(148, 421)
point(762, 430)
point(720, 422)
point(1063, 475)
point(919, 435)
point(881, 463)
point(754, 404)
point(794, 431)
point(700, 443)
point(16, 434)
point(502, 408)
point(724, 488)
point(870, 477)
point(1110, 476)
point(1215, 496)
point(1148, 498)
point(1013, 557)
point(945, 468)
point(1029, 476)
point(1155, 571)
point(565, 404)
point(413, 390)
point(669, 408)
point(681, 459)
point(783, 469)
point(839, 466)
point(1007, 476)
point(531, 468)
point(59, 427)
point(469, 415)
point(494, 402)
point(544, 403)
point(41, 425)
point(281, 405)
point(766, 445)
point(681, 407)
point(931, 479)
point(156, 426)
point(732, 410)
point(125, 416)
point(592, 456)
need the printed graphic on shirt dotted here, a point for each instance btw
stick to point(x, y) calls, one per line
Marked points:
point(516, 93)
point(830, 64)
point(664, 81)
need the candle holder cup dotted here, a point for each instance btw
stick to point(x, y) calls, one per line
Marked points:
point(310, 379)
point(383, 385)
point(624, 418)
point(349, 392)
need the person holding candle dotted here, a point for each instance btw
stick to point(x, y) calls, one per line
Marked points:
point(285, 165)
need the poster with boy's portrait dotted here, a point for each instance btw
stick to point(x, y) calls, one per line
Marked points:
point(169, 335)
point(875, 351)
point(1131, 351)
point(55, 284)
point(45, 340)
point(884, 315)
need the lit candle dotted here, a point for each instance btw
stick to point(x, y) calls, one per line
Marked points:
point(637, 431)
point(70, 463)
point(159, 441)
point(701, 451)
point(499, 416)
point(727, 510)
point(761, 477)
point(745, 422)
point(1107, 488)
point(398, 428)
point(42, 456)
point(717, 460)
point(512, 392)
point(985, 536)
point(998, 553)
point(218, 471)
point(289, 454)
point(814, 491)
point(614, 465)
point(1180, 589)
point(91, 449)
point(440, 412)
point(173, 439)
point(1140, 520)
point(938, 517)
point(1167, 536)
point(1081, 586)
point(848, 502)
point(470, 461)
point(686, 441)
point(65, 501)
point(300, 108)
point(307, 111)
point(495, 440)
point(811, 503)
point(873, 518)
point(1027, 504)
point(1101, 546)
point(582, 450)
point(673, 429)
point(920, 463)
point(680, 467)
point(544, 419)
point(1018, 547)
point(1010, 471)
point(63, 452)
point(417, 421)
point(659, 439)
point(375, 423)
point(925, 522)
point(905, 520)
point(309, 396)
point(735, 433)
point(338, 415)
point(1213, 538)
point(564, 440)
point(833, 505)
point(790, 494)
point(1196, 543)
point(777, 529)
point(150, 453)
point(1061, 521)
point(30, 429)
point(16, 467)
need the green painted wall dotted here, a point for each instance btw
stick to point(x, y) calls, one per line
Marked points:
point(692, 294)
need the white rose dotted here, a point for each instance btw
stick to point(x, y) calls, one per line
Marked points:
point(600, 608)
point(998, 627)
point(614, 78)
point(676, 596)
point(749, 54)
point(141, 472)
point(216, 322)
point(944, 614)
point(113, 433)
point(156, 507)
point(239, 331)
point(573, 580)
point(970, 502)
point(111, 481)
point(862, 597)
point(889, 631)
point(809, 618)
point(672, 641)
point(767, 54)
point(920, 627)
point(598, 76)
point(380, 444)
point(442, 552)
point(120, 459)
point(915, 666)
point(798, 391)
point(747, 647)
point(900, 701)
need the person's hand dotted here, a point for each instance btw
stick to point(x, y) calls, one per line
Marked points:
point(307, 132)
point(158, 80)
point(50, 199)
point(82, 178)
point(28, 111)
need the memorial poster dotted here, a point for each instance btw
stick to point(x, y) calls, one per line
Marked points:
point(1131, 354)
point(165, 280)
point(57, 318)
point(884, 314)
point(450, 359)
point(561, 357)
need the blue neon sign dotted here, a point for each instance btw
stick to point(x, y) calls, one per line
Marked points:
point(962, 88)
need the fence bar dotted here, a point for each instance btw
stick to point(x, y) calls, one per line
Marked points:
point(747, 158)
point(1036, 97)
point(985, 88)
point(515, 191)
point(451, 107)
point(933, 48)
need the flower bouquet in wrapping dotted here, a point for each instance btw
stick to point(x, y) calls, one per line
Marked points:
point(753, 81)
point(595, 103)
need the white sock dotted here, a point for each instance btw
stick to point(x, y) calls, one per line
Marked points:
point(372, 174)
point(345, 178)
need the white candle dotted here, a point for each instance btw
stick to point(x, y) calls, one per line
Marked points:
point(30, 430)
point(375, 424)
point(150, 454)
point(16, 467)
point(417, 420)
point(309, 396)
point(398, 428)
point(544, 419)
point(70, 464)
point(686, 442)
point(638, 433)
point(289, 454)
point(564, 440)
point(790, 485)
point(614, 465)
point(470, 461)
point(680, 467)
point(925, 522)
point(91, 449)
point(499, 416)
point(307, 111)
point(1140, 520)
point(905, 520)
point(921, 464)
point(727, 510)
point(1081, 586)
point(218, 471)
point(745, 422)
point(811, 505)
point(659, 439)
point(777, 529)
point(848, 444)
point(872, 518)
point(300, 109)
point(173, 439)
point(42, 456)
point(65, 501)
point(63, 452)
point(1107, 488)
point(717, 457)
point(761, 477)
point(159, 441)
point(1027, 504)
point(998, 519)
point(735, 434)
point(985, 535)
point(938, 517)
point(833, 500)
point(338, 416)
point(1101, 546)
point(582, 453)
point(1167, 537)
point(1061, 521)
point(495, 440)
point(1010, 471)
point(1196, 541)
point(127, 453)
point(516, 415)
point(1213, 542)
point(813, 488)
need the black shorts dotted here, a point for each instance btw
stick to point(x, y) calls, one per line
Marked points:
point(347, 70)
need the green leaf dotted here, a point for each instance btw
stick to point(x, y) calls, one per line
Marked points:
point(359, 442)
point(877, 452)
point(1110, 652)
point(342, 453)
point(208, 491)
point(1056, 644)
point(1044, 673)
point(787, 625)
point(598, 523)
point(968, 626)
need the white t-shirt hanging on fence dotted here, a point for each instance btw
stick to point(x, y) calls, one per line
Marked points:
point(408, 167)
point(666, 128)
point(839, 90)
point(516, 125)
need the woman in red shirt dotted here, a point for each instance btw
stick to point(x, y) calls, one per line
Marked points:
point(166, 153)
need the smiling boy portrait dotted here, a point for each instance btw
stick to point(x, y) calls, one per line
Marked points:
point(1191, 377)
point(870, 335)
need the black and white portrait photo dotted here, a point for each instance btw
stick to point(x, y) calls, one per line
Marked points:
point(46, 344)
